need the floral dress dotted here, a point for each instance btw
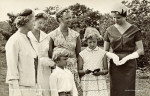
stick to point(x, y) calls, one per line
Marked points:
point(93, 85)
point(69, 43)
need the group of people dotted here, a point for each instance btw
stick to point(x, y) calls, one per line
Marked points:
point(40, 64)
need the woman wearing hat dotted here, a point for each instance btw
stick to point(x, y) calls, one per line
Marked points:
point(64, 37)
point(126, 42)
point(20, 57)
point(40, 42)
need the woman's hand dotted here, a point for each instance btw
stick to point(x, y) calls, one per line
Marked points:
point(46, 61)
point(123, 61)
point(114, 57)
point(134, 55)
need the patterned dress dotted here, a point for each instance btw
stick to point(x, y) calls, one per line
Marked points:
point(93, 85)
point(69, 43)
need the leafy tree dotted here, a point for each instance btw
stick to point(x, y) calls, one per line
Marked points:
point(51, 22)
point(139, 14)
point(51, 10)
point(50, 25)
point(84, 17)
point(105, 21)
point(13, 28)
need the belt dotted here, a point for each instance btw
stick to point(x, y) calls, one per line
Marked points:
point(65, 93)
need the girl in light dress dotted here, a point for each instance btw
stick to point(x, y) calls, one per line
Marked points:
point(93, 66)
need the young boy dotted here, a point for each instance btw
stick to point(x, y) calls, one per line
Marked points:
point(62, 80)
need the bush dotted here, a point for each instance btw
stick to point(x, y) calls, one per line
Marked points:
point(139, 15)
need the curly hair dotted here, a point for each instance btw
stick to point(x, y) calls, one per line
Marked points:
point(23, 17)
point(21, 21)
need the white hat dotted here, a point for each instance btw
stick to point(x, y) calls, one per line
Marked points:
point(120, 9)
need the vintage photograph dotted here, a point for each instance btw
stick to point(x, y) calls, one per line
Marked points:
point(74, 48)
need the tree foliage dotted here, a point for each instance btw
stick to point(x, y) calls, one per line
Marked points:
point(139, 14)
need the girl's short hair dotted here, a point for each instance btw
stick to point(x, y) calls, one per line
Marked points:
point(23, 17)
point(40, 14)
point(91, 33)
point(60, 13)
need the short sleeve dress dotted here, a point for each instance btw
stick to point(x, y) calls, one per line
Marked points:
point(69, 43)
point(123, 77)
point(93, 85)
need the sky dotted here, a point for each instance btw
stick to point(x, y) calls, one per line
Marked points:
point(103, 6)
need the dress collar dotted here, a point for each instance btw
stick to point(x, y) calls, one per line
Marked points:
point(97, 48)
point(42, 36)
point(69, 30)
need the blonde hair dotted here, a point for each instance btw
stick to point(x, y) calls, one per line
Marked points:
point(60, 52)
point(91, 33)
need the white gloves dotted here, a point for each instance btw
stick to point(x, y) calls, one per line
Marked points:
point(128, 57)
point(16, 88)
point(114, 57)
point(46, 61)
point(124, 60)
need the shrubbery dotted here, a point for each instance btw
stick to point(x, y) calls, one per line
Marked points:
point(139, 14)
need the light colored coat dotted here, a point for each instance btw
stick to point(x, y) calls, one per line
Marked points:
point(20, 60)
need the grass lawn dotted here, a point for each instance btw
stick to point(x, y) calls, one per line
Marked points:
point(142, 85)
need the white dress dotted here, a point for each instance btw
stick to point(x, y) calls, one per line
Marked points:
point(45, 63)
point(93, 85)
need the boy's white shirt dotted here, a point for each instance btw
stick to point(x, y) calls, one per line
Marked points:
point(62, 81)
